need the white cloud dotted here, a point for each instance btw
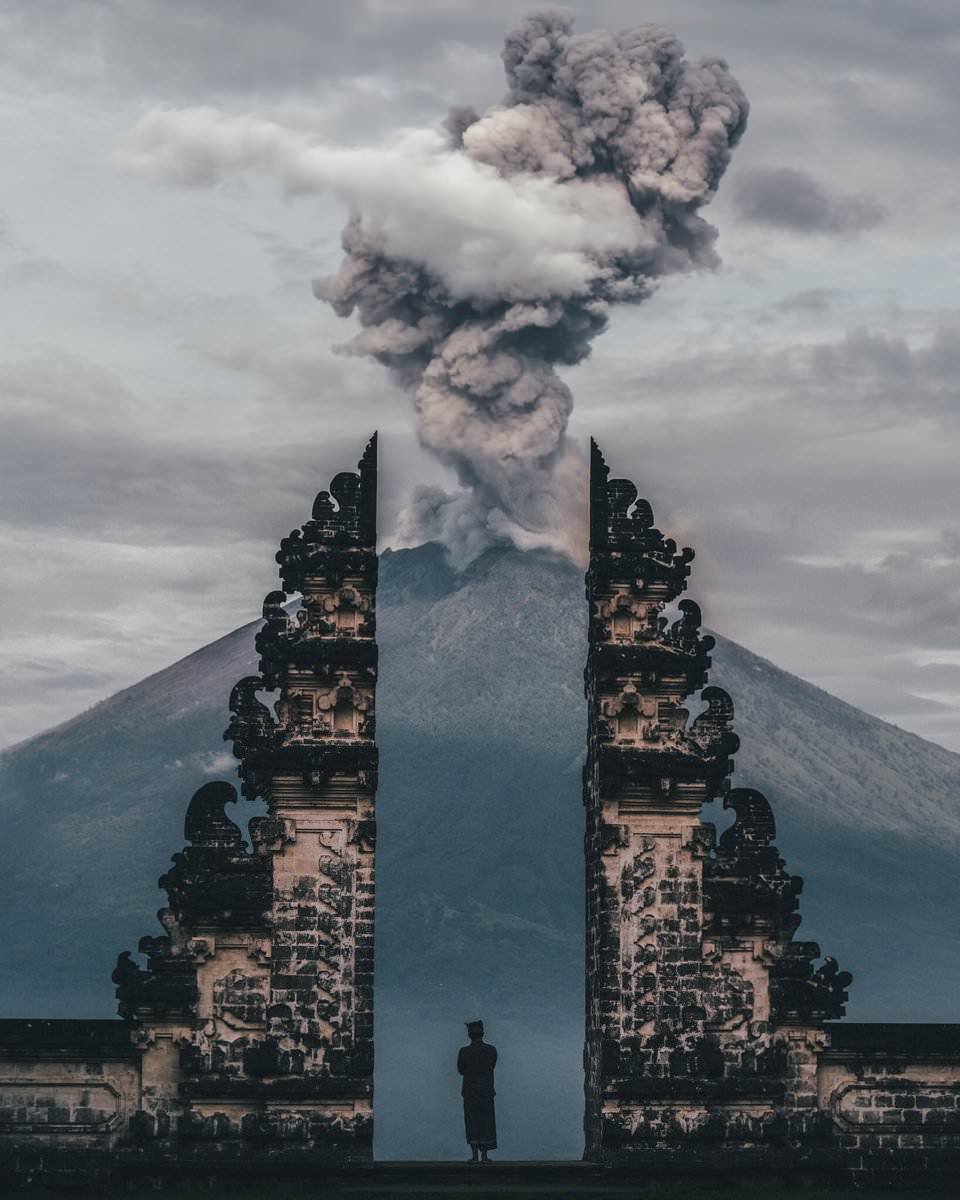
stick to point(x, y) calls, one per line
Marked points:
point(480, 233)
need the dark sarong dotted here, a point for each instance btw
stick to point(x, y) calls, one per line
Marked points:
point(475, 1063)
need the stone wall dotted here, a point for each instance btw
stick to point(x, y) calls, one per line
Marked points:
point(68, 1093)
point(77, 1079)
point(892, 1093)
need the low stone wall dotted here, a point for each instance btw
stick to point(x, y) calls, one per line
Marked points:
point(888, 1099)
point(68, 1090)
point(82, 1102)
point(76, 1079)
point(893, 1093)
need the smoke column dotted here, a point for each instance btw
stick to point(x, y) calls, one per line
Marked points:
point(481, 260)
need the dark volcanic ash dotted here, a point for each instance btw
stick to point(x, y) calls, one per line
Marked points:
point(481, 260)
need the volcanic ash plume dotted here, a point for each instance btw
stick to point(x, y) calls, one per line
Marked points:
point(481, 260)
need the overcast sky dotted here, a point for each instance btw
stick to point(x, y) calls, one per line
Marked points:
point(171, 399)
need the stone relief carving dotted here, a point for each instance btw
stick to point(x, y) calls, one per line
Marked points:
point(692, 970)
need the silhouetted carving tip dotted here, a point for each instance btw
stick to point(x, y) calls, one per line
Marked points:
point(206, 822)
point(274, 612)
point(341, 536)
point(622, 532)
point(216, 880)
point(126, 970)
point(252, 722)
point(129, 977)
point(711, 729)
point(684, 634)
point(746, 887)
point(165, 990)
point(801, 992)
point(754, 829)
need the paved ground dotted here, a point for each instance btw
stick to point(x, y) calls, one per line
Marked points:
point(570, 1181)
point(497, 1181)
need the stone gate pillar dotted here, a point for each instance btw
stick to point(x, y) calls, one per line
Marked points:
point(319, 777)
point(703, 1016)
point(255, 1011)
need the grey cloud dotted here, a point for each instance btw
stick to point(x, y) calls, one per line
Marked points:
point(885, 374)
point(821, 500)
point(903, 602)
point(176, 48)
point(938, 677)
point(74, 456)
point(33, 671)
point(809, 301)
point(788, 198)
point(293, 261)
point(873, 623)
point(906, 704)
point(910, 597)
point(252, 47)
point(866, 379)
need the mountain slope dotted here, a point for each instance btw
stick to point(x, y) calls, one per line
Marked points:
point(481, 723)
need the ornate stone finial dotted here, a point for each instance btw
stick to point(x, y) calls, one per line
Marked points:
point(273, 608)
point(711, 729)
point(752, 833)
point(206, 824)
point(252, 728)
point(746, 887)
point(342, 533)
point(684, 633)
point(800, 993)
point(624, 541)
point(216, 880)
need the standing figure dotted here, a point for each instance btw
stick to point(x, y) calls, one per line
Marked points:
point(475, 1063)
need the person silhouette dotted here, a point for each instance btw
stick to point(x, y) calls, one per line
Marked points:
point(476, 1063)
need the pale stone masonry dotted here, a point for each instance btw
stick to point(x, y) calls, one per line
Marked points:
point(319, 774)
point(275, 1037)
point(708, 1035)
point(248, 1034)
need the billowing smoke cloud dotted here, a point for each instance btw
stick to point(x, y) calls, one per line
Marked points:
point(480, 260)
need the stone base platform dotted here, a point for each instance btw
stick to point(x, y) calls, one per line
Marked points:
point(499, 1180)
point(553, 1180)
point(71, 1095)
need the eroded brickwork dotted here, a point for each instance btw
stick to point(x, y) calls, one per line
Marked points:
point(703, 1015)
point(893, 1095)
point(255, 1009)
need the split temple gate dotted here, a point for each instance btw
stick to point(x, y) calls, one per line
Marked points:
point(246, 1039)
point(705, 1018)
